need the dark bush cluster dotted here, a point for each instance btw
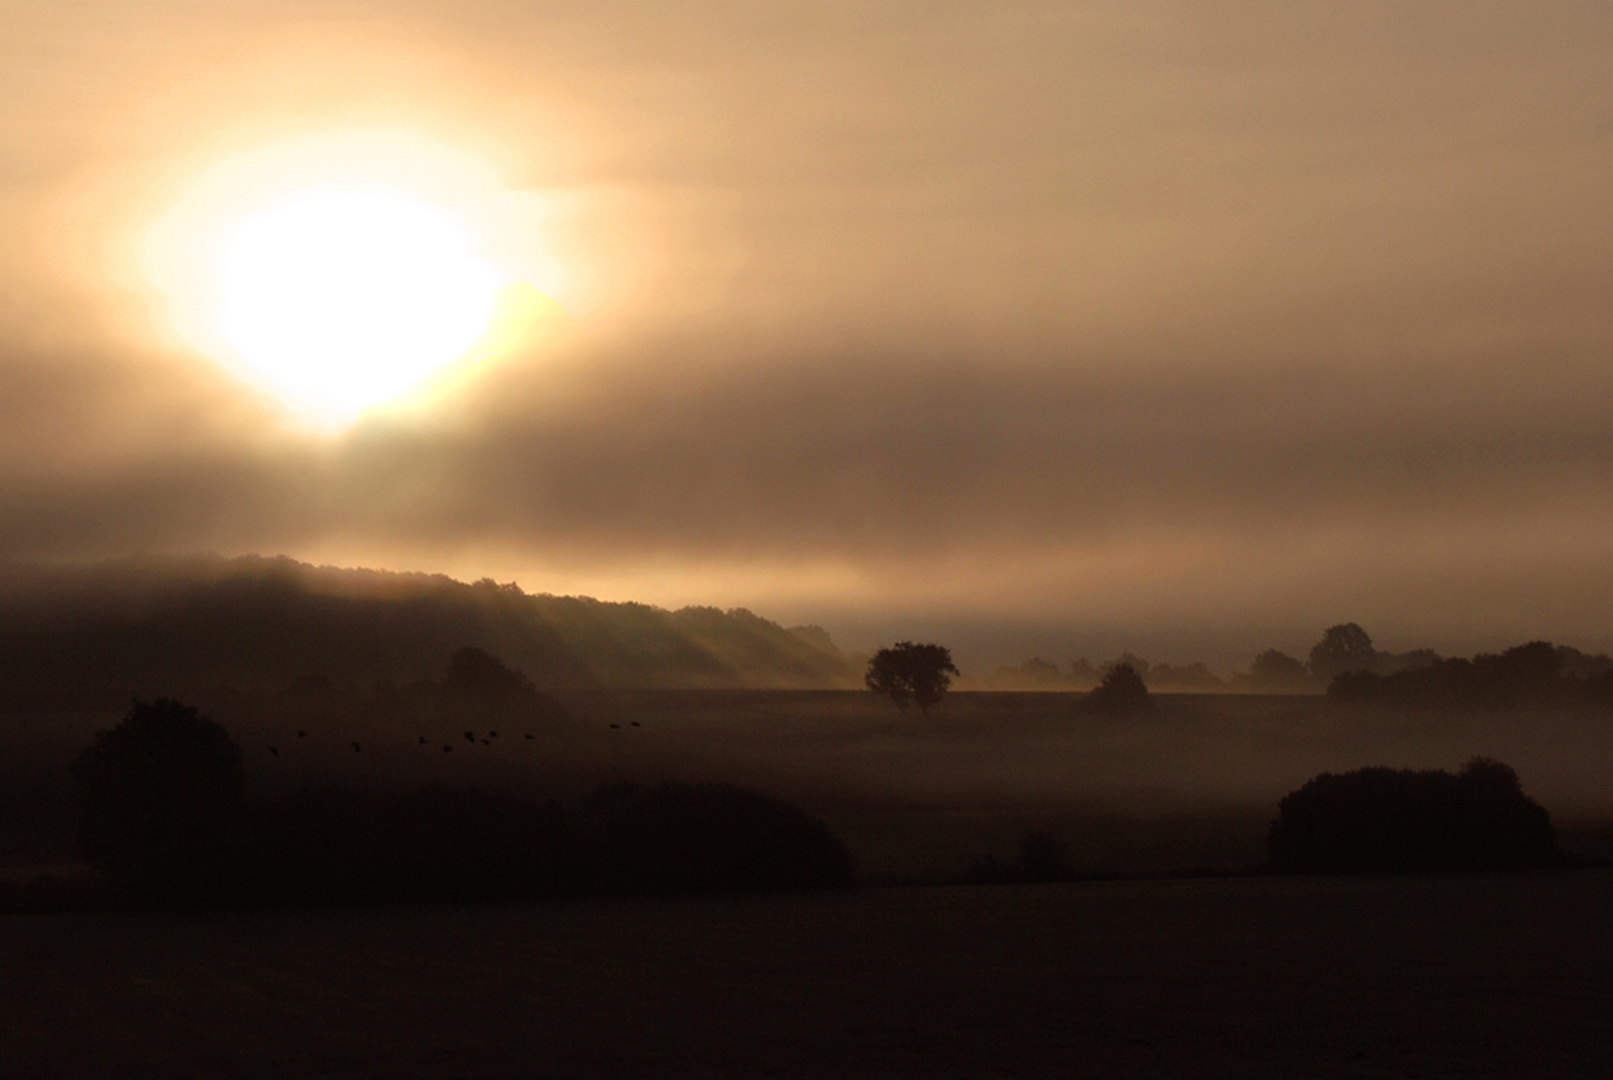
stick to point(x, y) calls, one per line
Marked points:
point(1537, 673)
point(1521, 675)
point(437, 844)
point(1381, 820)
point(1122, 690)
point(164, 805)
point(1040, 858)
point(705, 838)
point(168, 821)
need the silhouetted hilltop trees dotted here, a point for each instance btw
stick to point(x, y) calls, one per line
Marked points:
point(1381, 820)
point(169, 822)
point(87, 637)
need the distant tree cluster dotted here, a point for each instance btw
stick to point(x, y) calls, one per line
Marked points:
point(1381, 820)
point(1346, 664)
point(1534, 673)
point(169, 822)
point(1040, 858)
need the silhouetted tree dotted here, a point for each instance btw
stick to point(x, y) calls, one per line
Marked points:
point(1345, 647)
point(163, 801)
point(1122, 689)
point(1381, 820)
point(907, 672)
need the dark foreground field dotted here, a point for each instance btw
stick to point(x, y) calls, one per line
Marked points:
point(1236, 977)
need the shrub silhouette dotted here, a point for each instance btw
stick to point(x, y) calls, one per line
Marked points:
point(1381, 820)
point(1122, 690)
point(163, 796)
point(910, 672)
point(707, 838)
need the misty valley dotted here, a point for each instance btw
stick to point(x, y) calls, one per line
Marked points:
point(408, 807)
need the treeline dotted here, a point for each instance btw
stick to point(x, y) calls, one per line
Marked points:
point(1535, 673)
point(89, 637)
point(1345, 664)
point(169, 822)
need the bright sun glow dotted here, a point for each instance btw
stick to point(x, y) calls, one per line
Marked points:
point(344, 299)
point(345, 270)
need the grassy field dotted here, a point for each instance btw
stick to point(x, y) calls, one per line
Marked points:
point(1190, 783)
point(1502, 977)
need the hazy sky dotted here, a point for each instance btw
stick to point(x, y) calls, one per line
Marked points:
point(1193, 327)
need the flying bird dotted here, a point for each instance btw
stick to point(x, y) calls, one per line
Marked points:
point(302, 734)
point(447, 749)
point(492, 734)
point(470, 736)
point(354, 746)
point(529, 735)
point(634, 723)
point(275, 751)
point(616, 725)
point(422, 740)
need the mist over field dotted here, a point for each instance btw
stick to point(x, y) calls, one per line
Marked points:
point(858, 538)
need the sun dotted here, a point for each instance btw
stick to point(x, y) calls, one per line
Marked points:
point(346, 271)
point(339, 299)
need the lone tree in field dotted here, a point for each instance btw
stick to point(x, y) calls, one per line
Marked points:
point(908, 672)
point(164, 798)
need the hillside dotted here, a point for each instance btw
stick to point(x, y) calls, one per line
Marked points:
point(92, 636)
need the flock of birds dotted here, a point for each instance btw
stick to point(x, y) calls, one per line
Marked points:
point(447, 748)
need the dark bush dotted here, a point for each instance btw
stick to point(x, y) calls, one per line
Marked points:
point(164, 801)
point(1381, 820)
point(1122, 690)
point(707, 838)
